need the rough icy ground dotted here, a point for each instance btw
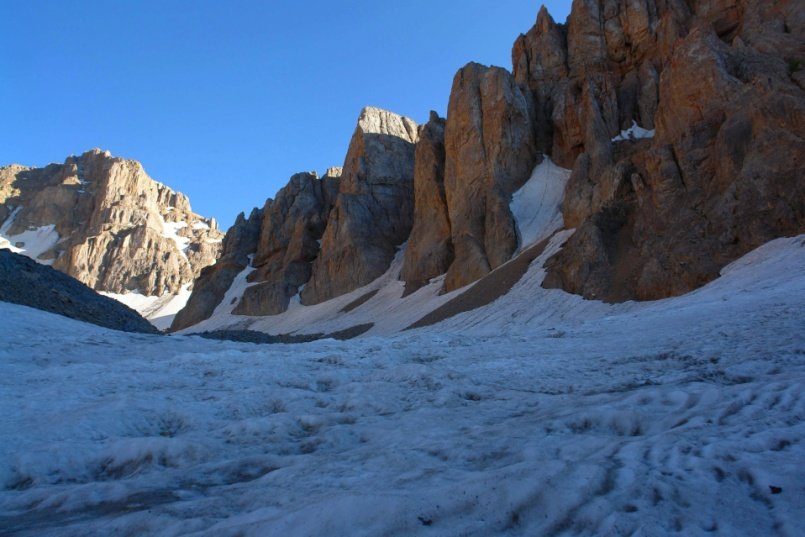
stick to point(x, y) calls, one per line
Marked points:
point(669, 418)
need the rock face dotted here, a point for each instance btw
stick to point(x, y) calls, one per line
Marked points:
point(320, 238)
point(26, 282)
point(374, 209)
point(105, 222)
point(279, 242)
point(293, 224)
point(490, 151)
point(722, 175)
point(209, 289)
point(430, 246)
point(683, 123)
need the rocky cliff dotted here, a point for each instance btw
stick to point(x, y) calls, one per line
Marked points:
point(374, 209)
point(490, 152)
point(290, 234)
point(683, 123)
point(717, 89)
point(239, 247)
point(320, 237)
point(430, 246)
point(104, 221)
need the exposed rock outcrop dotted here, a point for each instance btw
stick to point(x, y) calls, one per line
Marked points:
point(374, 209)
point(683, 123)
point(278, 242)
point(722, 175)
point(430, 246)
point(26, 282)
point(239, 245)
point(320, 238)
point(293, 224)
point(490, 151)
point(105, 222)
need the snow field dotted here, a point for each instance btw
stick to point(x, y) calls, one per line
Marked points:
point(665, 418)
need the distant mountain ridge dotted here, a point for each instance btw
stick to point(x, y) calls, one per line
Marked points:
point(104, 221)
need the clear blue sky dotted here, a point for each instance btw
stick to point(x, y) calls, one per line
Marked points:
point(224, 100)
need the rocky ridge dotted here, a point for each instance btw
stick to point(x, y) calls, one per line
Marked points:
point(105, 222)
point(25, 282)
point(320, 237)
point(683, 124)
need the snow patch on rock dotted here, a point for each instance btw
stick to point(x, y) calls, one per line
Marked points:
point(170, 230)
point(386, 309)
point(635, 132)
point(537, 206)
point(32, 242)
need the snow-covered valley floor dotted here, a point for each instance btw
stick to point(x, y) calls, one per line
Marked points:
point(668, 418)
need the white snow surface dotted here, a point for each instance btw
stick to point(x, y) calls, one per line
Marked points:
point(35, 241)
point(158, 310)
point(555, 416)
point(170, 230)
point(536, 207)
point(635, 132)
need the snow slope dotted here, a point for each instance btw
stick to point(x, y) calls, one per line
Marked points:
point(158, 310)
point(33, 242)
point(569, 417)
point(387, 309)
point(536, 207)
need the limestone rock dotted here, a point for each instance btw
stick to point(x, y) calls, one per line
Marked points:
point(239, 244)
point(373, 212)
point(430, 247)
point(539, 59)
point(111, 226)
point(660, 217)
point(490, 151)
point(293, 224)
point(611, 51)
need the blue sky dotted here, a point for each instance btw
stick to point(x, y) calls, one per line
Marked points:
point(224, 101)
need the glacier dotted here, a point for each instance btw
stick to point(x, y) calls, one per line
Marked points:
point(547, 416)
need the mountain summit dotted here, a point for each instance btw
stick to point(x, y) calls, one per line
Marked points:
point(104, 221)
